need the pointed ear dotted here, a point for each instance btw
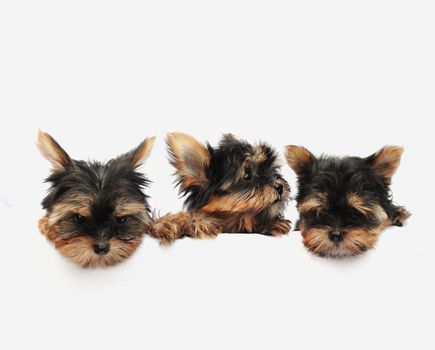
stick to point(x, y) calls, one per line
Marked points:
point(298, 158)
point(190, 158)
point(386, 161)
point(140, 154)
point(51, 150)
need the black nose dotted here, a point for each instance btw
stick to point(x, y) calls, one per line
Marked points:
point(101, 248)
point(336, 236)
point(279, 188)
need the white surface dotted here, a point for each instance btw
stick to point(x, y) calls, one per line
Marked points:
point(342, 77)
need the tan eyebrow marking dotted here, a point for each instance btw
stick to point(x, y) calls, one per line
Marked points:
point(129, 208)
point(315, 202)
point(137, 209)
point(358, 203)
point(62, 210)
point(75, 204)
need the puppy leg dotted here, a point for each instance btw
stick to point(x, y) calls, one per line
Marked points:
point(400, 216)
point(275, 228)
point(171, 227)
point(202, 226)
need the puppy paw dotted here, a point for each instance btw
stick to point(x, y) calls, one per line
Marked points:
point(400, 216)
point(165, 231)
point(169, 228)
point(204, 229)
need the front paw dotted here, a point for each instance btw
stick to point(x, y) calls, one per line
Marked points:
point(400, 216)
point(204, 229)
point(165, 231)
point(278, 228)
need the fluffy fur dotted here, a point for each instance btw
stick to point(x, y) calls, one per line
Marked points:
point(96, 213)
point(345, 203)
point(235, 187)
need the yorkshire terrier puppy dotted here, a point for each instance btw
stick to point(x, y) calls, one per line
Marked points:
point(96, 213)
point(235, 187)
point(345, 203)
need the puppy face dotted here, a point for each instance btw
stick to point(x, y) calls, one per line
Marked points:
point(235, 177)
point(96, 213)
point(344, 203)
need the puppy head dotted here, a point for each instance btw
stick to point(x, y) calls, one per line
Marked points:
point(235, 177)
point(96, 213)
point(344, 203)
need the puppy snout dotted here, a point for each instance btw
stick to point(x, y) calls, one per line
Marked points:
point(336, 236)
point(279, 188)
point(101, 248)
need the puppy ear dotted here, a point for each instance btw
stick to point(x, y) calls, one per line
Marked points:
point(298, 158)
point(52, 151)
point(140, 154)
point(190, 158)
point(386, 161)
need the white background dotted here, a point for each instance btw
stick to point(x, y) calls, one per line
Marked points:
point(340, 77)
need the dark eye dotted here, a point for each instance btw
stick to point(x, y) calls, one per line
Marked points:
point(121, 220)
point(247, 177)
point(78, 219)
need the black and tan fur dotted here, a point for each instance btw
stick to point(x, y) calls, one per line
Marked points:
point(235, 187)
point(96, 213)
point(345, 203)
